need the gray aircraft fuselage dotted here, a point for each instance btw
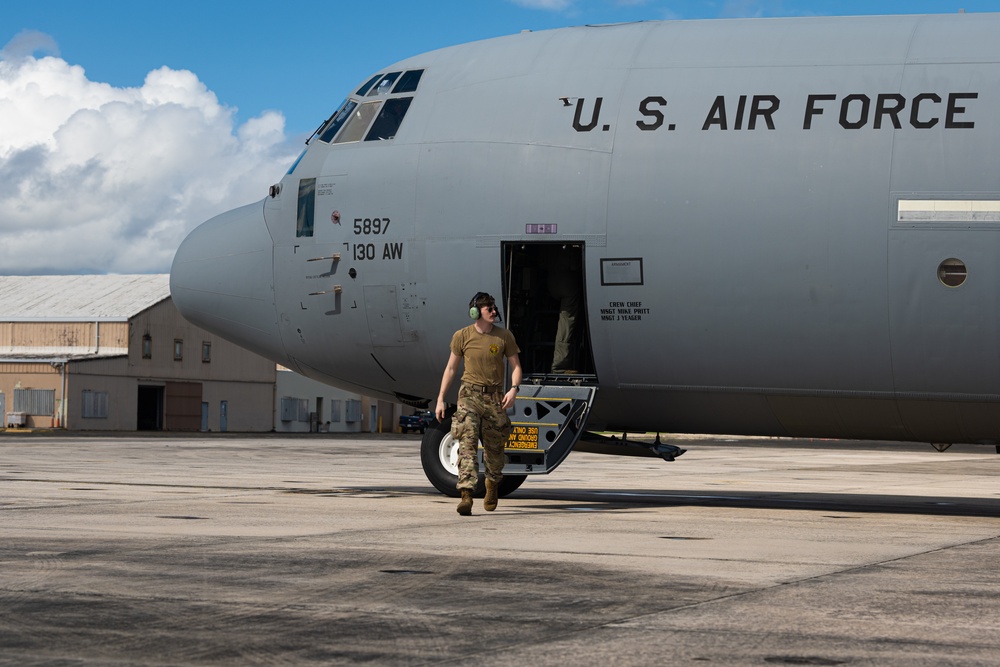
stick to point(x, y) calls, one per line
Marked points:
point(786, 227)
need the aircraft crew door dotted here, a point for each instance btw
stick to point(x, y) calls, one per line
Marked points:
point(546, 310)
point(944, 288)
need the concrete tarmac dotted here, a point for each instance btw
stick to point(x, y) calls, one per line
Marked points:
point(328, 550)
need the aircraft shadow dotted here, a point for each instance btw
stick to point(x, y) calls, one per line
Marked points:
point(626, 499)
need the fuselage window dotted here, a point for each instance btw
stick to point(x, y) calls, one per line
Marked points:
point(356, 125)
point(368, 84)
point(408, 82)
point(384, 84)
point(389, 119)
point(952, 272)
point(307, 207)
point(337, 121)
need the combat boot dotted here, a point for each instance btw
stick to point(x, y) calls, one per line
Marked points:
point(490, 502)
point(465, 505)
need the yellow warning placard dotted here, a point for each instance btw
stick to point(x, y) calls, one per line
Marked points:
point(523, 437)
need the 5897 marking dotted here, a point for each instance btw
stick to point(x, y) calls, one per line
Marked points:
point(364, 226)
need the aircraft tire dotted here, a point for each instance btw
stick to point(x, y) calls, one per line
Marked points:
point(438, 455)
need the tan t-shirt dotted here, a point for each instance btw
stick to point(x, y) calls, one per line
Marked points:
point(484, 353)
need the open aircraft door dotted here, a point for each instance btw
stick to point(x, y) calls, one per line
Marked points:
point(545, 298)
point(547, 421)
point(546, 302)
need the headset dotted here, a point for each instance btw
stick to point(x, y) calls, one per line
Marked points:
point(474, 312)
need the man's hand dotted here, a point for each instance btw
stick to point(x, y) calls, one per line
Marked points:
point(508, 398)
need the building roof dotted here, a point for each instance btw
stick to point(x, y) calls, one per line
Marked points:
point(71, 298)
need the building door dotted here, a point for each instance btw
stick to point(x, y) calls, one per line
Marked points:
point(204, 417)
point(223, 415)
point(149, 415)
point(182, 406)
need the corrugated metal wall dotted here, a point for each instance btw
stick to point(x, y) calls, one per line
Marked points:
point(81, 337)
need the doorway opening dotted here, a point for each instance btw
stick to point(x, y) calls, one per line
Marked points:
point(546, 303)
point(149, 416)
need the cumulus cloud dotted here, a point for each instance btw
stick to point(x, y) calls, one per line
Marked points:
point(99, 179)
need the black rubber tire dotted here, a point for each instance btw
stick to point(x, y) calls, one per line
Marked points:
point(434, 447)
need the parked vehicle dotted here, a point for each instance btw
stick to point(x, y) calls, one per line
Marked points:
point(418, 422)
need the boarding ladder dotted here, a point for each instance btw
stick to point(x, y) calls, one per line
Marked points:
point(547, 421)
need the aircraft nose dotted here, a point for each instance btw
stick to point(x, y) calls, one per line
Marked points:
point(222, 280)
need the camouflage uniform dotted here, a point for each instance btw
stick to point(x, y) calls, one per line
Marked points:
point(479, 416)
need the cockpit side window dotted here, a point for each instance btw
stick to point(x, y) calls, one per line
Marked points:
point(337, 121)
point(384, 84)
point(307, 207)
point(355, 127)
point(389, 119)
point(408, 82)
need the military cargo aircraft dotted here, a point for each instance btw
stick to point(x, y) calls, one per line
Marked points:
point(781, 227)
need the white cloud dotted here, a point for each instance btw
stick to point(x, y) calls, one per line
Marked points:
point(98, 179)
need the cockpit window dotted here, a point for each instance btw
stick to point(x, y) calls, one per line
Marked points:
point(368, 84)
point(384, 84)
point(356, 125)
point(337, 121)
point(389, 119)
point(408, 82)
point(383, 116)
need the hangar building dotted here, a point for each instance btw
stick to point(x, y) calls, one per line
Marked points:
point(113, 353)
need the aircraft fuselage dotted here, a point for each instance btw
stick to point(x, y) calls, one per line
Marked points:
point(783, 227)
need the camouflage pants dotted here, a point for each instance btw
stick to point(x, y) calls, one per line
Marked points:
point(479, 417)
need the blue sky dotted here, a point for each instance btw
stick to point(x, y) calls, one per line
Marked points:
point(124, 124)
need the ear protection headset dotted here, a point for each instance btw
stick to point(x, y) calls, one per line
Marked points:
point(474, 305)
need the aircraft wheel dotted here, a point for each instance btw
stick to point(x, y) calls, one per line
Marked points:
point(439, 458)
